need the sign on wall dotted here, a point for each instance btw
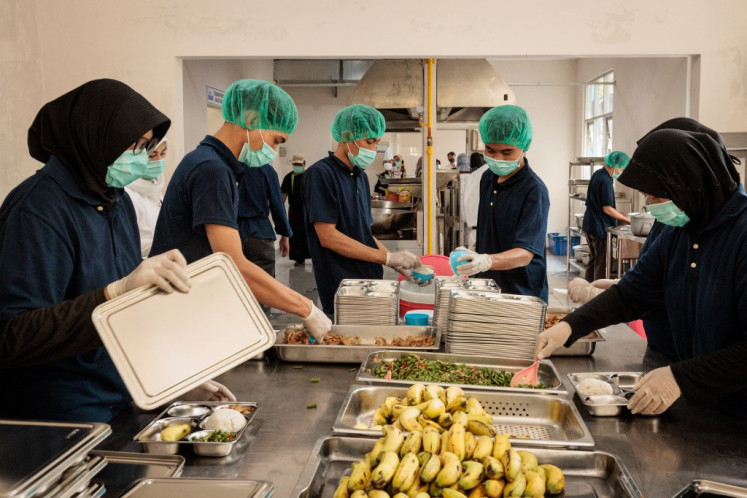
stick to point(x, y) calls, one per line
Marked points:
point(214, 97)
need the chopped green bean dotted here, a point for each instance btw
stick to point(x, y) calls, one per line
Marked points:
point(310, 406)
point(314, 380)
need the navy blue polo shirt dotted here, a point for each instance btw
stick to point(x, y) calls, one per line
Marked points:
point(56, 243)
point(511, 215)
point(259, 195)
point(333, 193)
point(600, 193)
point(203, 191)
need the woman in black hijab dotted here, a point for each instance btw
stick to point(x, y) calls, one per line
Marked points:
point(696, 269)
point(68, 242)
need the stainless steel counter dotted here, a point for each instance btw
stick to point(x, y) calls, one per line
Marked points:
point(663, 454)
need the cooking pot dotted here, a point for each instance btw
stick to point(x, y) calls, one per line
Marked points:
point(641, 223)
point(389, 217)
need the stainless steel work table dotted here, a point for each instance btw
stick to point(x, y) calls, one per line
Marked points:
point(620, 233)
point(663, 454)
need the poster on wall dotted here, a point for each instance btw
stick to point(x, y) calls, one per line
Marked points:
point(214, 97)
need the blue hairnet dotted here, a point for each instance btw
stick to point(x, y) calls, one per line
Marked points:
point(357, 121)
point(506, 124)
point(616, 159)
point(259, 105)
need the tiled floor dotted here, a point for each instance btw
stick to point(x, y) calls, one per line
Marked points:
point(301, 279)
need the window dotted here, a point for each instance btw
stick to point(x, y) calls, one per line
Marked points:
point(598, 115)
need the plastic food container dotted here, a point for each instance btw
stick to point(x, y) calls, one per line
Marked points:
point(453, 260)
point(416, 318)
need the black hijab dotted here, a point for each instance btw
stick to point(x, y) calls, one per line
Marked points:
point(689, 168)
point(89, 127)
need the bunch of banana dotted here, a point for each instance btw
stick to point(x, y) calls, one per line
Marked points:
point(450, 464)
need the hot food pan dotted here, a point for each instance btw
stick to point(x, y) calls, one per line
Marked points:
point(375, 369)
point(536, 420)
point(587, 473)
point(124, 468)
point(369, 338)
point(585, 346)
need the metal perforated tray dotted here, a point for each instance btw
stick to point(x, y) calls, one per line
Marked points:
point(546, 373)
point(545, 420)
point(587, 473)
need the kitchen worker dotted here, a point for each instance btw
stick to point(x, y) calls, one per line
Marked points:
point(379, 188)
point(200, 209)
point(452, 158)
point(601, 212)
point(291, 189)
point(337, 202)
point(696, 269)
point(513, 210)
point(146, 194)
point(69, 242)
point(260, 196)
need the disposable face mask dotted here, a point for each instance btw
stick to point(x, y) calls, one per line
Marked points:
point(298, 169)
point(616, 173)
point(364, 158)
point(388, 166)
point(669, 214)
point(256, 158)
point(500, 167)
point(126, 169)
point(154, 169)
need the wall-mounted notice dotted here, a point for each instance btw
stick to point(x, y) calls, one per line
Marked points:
point(214, 97)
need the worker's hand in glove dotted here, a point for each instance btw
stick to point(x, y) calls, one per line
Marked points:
point(655, 392)
point(167, 271)
point(604, 283)
point(475, 263)
point(402, 260)
point(317, 323)
point(581, 291)
point(551, 339)
point(209, 391)
point(408, 274)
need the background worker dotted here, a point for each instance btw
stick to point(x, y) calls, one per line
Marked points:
point(146, 194)
point(513, 211)
point(291, 189)
point(601, 212)
point(200, 209)
point(338, 222)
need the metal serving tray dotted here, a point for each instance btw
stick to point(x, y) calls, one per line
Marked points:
point(31, 472)
point(77, 478)
point(582, 347)
point(705, 488)
point(355, 354)
point(548, 421)
point(607, 405)
point(192, 413)
point(214, 488)
point(124, 468)
point(587, 473)
point(546, 373)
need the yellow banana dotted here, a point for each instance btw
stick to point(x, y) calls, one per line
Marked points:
point(397, 425)
point(472, 474)
point(528, 462)
point(393, 439)
point(501, 445)
point(376, 452)
point(384, 471)
point(434, 409)
point(387, 404)
point(535, 487)
point(482, 417)
point(493, 488)
point(175, 432)
point(451, 470)
point(474, 407)
point(479, 428)
point(424, 494)
point(437, 491)
point(415, 394)
point(342, 488)
point(542, 473)
point(408, 419)
point(406, 473)
point(359, 477)
point(430, 466)
point(515, 488)
point(511, 465)
point(452, 393)
point(413, 443)
point(379, 418)
point(400, 495)
point(483, 447)
point(445, 442)
point(433, 392)
point(460, 418)
point(452, 493)
point(418, 488)
point(469, 445)
point(493, 467)
point(555, 479)
point(426, 422)
point(431, 440)
point(456, 441)
point(457, 404)
point(445, 420)
point(477, 492)
point(398, 409)
point(377, 493)
point(359, 494)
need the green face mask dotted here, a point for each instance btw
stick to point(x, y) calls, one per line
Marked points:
point(154, 169)
point(298, 169)
point(669, 214)
point(126, 169)
point(363, 159)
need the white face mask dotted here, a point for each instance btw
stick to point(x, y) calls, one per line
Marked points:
point(388, 166)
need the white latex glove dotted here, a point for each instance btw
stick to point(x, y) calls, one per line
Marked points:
point(551, 339)
point(402, 259)
point(655, 392)
point(581, 291)
point(412, 278)
point(167, 271)
point(317, 323)
point(604, 283)
point(209, 391)
point(476, 263)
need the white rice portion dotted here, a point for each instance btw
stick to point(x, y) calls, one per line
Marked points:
point(226, 420)
point(589, 387)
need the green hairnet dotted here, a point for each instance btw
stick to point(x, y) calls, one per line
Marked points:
point(358, 121)
point(506, 124)
point(616, 159)
point(259, 105)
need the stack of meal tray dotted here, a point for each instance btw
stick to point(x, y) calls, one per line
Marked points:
point(493, 323)
point(367, 302)
point(444, 286)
